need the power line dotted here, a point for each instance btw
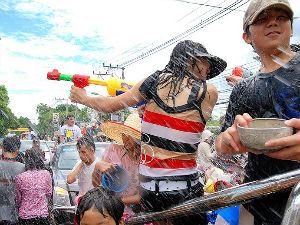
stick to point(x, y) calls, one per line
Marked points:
point(212, 6)
point(186, 33)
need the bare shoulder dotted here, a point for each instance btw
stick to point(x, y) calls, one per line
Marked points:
point(212, 93)
point(212, 88)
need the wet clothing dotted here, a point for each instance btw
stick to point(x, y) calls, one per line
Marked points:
point(85, 176)
point(9, 169)
point(33, 188)
point(267, 95)
point(163, 200)
point(170, 137)
point(18, 158)
point(35, 221)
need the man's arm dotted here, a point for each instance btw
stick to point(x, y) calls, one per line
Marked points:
point(72, 177)
point(101, 167)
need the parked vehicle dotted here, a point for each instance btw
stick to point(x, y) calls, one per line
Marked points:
point(64, 159)
point(44, 145)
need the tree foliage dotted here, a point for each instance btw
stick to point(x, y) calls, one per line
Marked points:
point(45, 116)
point(7, 118)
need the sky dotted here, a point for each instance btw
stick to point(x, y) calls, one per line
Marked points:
point(79, 37)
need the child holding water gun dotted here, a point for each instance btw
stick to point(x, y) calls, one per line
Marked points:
point(179, 102)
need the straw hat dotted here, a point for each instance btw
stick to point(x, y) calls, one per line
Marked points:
point(114, 130)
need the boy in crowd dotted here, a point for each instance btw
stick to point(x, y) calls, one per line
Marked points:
point(274, 92)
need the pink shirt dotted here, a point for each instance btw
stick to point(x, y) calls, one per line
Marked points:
point(116, 154)
point(33, 187)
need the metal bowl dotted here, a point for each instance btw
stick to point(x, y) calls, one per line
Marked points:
point(262, 130)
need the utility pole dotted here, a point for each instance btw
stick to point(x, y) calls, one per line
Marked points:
point(115, 67)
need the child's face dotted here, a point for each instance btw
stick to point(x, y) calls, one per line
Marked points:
point(94, 217)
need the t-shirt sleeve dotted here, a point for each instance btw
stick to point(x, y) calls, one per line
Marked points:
point(79, 134)
point(149, 85)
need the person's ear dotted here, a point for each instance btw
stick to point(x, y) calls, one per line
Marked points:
point(247, 38)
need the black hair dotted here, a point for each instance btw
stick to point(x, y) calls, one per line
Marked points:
point(69, 116)
point(11, 144)
point(177, 66)
point(101, 199)
point(87, 141)
point(34, 159)
point(295, 47)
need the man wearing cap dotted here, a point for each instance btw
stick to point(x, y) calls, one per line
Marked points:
point(179, 102)
point(273, 92)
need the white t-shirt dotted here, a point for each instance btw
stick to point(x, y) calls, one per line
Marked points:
point(85, 176)
point(70, 133)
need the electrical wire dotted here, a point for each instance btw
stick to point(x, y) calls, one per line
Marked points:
point(184, 34)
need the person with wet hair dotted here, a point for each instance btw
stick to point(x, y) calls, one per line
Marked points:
point(33, 189)
point(274, 92)
point(99, 206)
point(179, 101)
point(9, 169)
point(12, 148)
point(84, 168)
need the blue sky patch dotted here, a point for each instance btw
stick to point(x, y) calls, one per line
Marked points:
point(13, 23)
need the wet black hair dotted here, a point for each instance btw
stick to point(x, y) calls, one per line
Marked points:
point(34, 159)
point(101, 199)
point(11, 144)
point(177, 66)
point(295, 47)
point(87, 141)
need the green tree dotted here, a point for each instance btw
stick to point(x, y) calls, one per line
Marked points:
point(44, 119)
point(7, 118)
point(23, 121)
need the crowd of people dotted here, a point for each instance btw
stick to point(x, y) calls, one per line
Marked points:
point(166, 149)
